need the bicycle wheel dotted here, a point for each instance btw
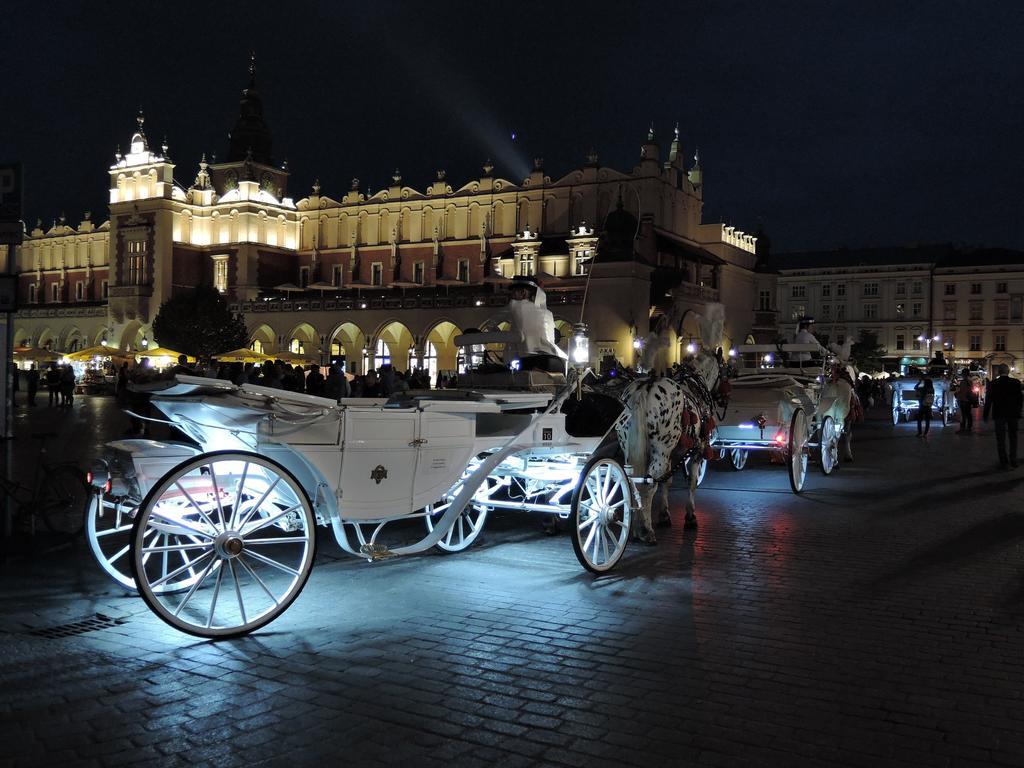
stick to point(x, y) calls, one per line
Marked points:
point(63, 501)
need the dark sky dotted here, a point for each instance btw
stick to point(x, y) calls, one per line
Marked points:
point(826, 123)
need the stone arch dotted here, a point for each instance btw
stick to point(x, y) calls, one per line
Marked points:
point(303, 338)
point(22, 338)
point(399, 342)
point(131, 337)
point(442, 354)
point(70, 339)
point(263, 339)
point(45, 339)
point(348, 340)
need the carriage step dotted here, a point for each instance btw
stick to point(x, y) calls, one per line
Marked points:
point(375, 552)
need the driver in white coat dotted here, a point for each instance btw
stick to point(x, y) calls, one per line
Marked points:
point(804, 336)
point(534, 325)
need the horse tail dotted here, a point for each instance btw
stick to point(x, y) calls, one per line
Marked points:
point(636, 447)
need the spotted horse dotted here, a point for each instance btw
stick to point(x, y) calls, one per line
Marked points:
point(669, 423)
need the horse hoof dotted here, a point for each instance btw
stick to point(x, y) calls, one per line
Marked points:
point(665, 521)
point(690, 523)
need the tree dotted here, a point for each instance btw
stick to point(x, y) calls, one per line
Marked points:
point(199, 323)
point(867, 353)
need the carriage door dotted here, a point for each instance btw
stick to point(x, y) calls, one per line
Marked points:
point(445, 444)
point(378, 463)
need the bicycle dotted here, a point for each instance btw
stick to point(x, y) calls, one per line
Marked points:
point(57, 495)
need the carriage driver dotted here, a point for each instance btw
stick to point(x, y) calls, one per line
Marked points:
point(804, 336)
point(529, 317)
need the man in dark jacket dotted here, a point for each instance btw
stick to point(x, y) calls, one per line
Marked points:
point(1005, 400)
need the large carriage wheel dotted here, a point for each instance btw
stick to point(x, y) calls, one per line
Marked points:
point(829, 445)
point(243, 526)
point(896, 410)
point(466, 528)
point(796, 456)
point(701, 472)
point(108, 528)
point(945, 411)
point(601, 513)
point(738, 458)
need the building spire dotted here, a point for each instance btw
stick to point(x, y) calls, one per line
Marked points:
point(673, 150)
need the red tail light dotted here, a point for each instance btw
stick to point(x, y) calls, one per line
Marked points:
point(88, 477)
point(780, 438)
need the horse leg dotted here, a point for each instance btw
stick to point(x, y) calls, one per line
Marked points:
point(664, 514)
point(691, 510)
point(642, 530)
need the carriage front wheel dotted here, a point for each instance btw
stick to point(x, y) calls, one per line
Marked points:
point(466, 528)
point(796, 456)
point(601, 512)
point(243, 529)
point(829, 446)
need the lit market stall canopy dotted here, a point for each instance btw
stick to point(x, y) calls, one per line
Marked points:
point(242, 355)
point(98, 350)
point(296, 358)
point(34, 355)
point(160, 357)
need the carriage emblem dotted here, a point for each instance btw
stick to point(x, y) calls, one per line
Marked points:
point(378, 474)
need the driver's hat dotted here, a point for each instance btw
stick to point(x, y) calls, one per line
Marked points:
point(805, 322)
point(525, 281)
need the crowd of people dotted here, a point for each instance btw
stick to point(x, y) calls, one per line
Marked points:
point(59, 381)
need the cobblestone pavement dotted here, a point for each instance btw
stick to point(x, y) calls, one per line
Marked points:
point(875, 620)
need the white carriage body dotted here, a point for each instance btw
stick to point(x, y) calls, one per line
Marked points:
point(905, 399)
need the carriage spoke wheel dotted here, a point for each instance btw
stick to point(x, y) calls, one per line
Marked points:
point(243, 530)
point(796, 456)
point(738, 458)
point(109, 524)
point(895, 410)
point(829, 446)
point(600, 515)
point(64, 501)
point(466, 528)
point(700, 472)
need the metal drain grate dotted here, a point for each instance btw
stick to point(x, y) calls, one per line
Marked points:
point(80, 627)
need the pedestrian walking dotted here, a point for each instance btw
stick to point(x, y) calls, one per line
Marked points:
point(967, 401)
point(53, 383)
point(925, 390)
point(1004, 402)
point(32, 382)
point(67, 386)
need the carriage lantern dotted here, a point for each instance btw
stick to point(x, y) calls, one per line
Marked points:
point(579, 347)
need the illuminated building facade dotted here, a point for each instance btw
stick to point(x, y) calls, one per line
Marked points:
point(389, 276)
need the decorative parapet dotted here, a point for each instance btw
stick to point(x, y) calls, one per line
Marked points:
point(738, 239)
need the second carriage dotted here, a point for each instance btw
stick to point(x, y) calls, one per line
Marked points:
point(789, 411)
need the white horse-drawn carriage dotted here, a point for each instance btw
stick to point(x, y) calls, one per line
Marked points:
point(906, 399)
point(218, 535)
point(791, 412)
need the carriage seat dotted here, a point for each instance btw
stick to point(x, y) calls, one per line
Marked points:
point(534, 380)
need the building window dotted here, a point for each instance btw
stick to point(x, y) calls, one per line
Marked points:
point(796, 311)
point(764, 301)
point(951, 289)
point(80, 291)
point(55, 293)
point(1002, 310)
point(1016, 307)
point(841, 289)
point(296, 346)
point(975, 312)
point(840, 339)
point(901, 309)
point(525, 264)
point(900, 342)
point(32, 293)
point(901, 288)
point(826, 311)
point(870, 311)
point(975, 288)
point(377, 273)
point(826, 290)
point(840, 312)
point(417, 273)
point(915, 287)
point(870, 289)
point(917, 342)
point(949, 311)
point(915, 309)
point(581, 262)
point(220, 272)
point(381, 354)
point(1000, 287)
point(337, 275)
point(257, 346)
point(798, 291)
point(464, 271)
point(1000, 342)
point(136, 263)
point(975, 342)
point(105, 290)
point(303, 277)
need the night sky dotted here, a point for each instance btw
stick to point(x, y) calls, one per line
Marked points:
point(825, 123)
